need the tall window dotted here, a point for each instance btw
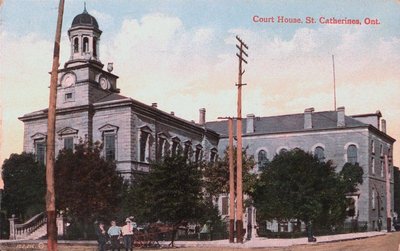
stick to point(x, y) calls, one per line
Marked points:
point(213, 155)
point(373, 199)
point(262, 159)
point(319, 152)
point(176, 146)
point(372, 146)
point(373, 165)
point(85, 44)
point(162, 142)
point(352, 154)
point(95, 47)
point(188, 151)
point(381, 150)
point(69, 143)
point(199, 153)
point(144, 146)
point(109, 146)
point(382, 168)
point(40, 151)
point(76, 45)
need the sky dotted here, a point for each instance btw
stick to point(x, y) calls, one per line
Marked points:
point(182, 55)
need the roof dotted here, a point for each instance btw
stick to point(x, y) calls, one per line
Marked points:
point(287, 123)
point(111, 97)
point(85, 19)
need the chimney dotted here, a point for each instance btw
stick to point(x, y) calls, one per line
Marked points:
point(340, 117)
point(202, 116)
point(154, 105)
point(250, 123)
point(383, 125)
point(173, 113)
point(308, 118)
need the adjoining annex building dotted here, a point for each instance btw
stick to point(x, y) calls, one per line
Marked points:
point(330, 135)
point(90, 107)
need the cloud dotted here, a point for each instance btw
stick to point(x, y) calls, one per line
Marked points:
point(159, 59)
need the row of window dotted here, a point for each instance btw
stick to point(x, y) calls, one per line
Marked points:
point(319, 152)
point(146, 141)
point(380, 149)
point(167, 147)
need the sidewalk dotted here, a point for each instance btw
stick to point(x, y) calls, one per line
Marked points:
point(259, 242)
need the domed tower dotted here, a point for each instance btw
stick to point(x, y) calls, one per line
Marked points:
point(84, 36)
point(83, 81)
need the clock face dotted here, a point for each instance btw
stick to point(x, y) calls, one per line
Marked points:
point(104, 83)
point(68, 80)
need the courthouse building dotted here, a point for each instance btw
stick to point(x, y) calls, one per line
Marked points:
point(90, 107)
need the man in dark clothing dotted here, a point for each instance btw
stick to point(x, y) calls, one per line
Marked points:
point(101, 236)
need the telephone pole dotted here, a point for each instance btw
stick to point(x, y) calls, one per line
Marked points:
point(239, 178)
point(231, 184)
point(50, 149)
point(231, 181)
point(388, 196)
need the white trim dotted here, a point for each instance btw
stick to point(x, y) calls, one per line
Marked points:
point(279, 149)
point(317, 145)
point(345, 150)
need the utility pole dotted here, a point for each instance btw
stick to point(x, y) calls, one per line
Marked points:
point(239, 178)
point(50, 149)
point(388, 196)
point(231, 181)
point(334, 83)
point(231, 184)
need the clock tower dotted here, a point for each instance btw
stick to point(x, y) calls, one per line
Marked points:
point(83, 81)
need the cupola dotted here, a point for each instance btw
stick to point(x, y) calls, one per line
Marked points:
point(84, 36)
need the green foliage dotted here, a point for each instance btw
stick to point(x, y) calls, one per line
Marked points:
point(24, 186)
point(351, 175)
point(296, 185)
point(216, 175)
point(87, 186)
point(170, 192)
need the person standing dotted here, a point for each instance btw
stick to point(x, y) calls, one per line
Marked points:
point(101, 236)
point(114, 232)
point(127, 234)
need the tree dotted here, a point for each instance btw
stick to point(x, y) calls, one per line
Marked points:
point(296, 185)
point(24, 185)
point(171, 192)
point(87, 186)
point(216, 175)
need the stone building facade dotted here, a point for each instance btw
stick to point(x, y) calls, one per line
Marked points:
point(330, 135)
point(90, 107)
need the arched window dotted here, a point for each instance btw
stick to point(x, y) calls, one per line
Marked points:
point(352, 154)
point(319, 152)
point(262, 159)
point(282, 150)
point(94, 47)
point(76, 45)
point(85, 44)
